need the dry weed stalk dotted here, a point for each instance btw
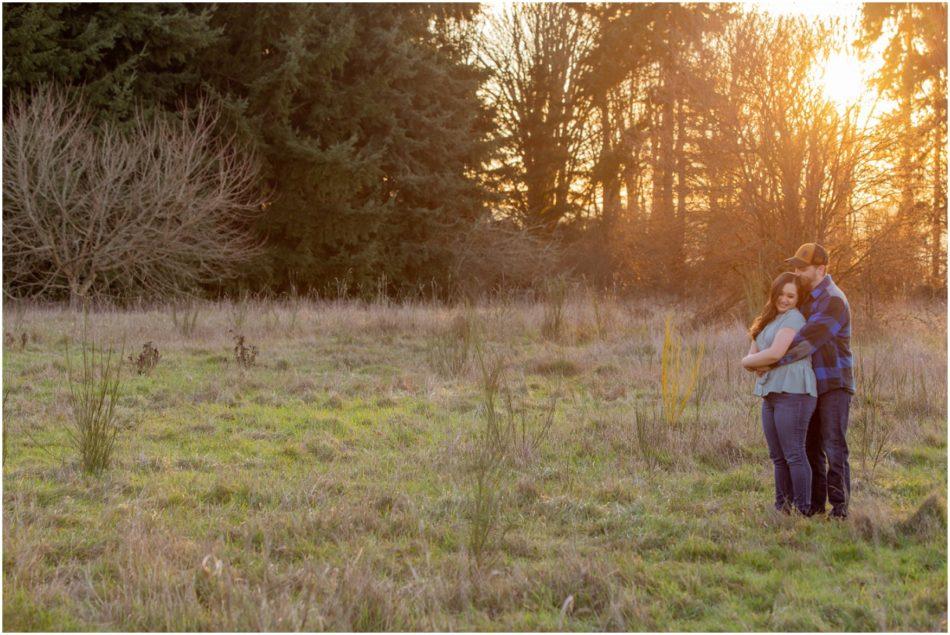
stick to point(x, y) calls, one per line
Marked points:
point(244, 354)
point(147, 360)
point(679, 374)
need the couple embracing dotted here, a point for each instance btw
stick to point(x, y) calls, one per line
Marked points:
point(801, 352)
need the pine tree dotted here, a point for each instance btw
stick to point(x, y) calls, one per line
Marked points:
point(120, 53)
point(372, 132)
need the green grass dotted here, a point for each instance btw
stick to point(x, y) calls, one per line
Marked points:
point(329, 482)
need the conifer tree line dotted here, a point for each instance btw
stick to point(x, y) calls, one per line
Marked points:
point(445, 150)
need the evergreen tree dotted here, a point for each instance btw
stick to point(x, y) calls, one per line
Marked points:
point(120, 53)
point(372, 131)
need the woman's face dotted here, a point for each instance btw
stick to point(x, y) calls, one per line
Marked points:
point(787, 298)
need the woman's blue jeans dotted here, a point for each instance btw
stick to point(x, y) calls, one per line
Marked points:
point(785, 418)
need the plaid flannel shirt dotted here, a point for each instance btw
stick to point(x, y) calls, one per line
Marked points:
point(826, 336)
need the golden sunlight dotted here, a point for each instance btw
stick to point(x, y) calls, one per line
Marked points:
point(807, 8)
point(842, 78)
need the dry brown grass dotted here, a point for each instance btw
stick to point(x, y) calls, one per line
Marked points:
point(326, 488)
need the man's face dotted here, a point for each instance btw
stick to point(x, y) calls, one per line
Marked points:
point(810, 275)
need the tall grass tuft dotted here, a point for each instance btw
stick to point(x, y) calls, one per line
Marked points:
point(603, 317)
point(244, 354)
point(4, 426)
point(293, 302)
point(913, 397)
point(873, 427)
point(652, 436)
point(239, 309)
point(93, 392)
point(528, 427)
point(185, 317)
point(555, 297)
point(450, 352)
point(679, 374)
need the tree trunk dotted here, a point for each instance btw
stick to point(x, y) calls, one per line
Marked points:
point(630, 185)
point(679, 221)
point(907, 129)
point(76, 297)
point(938, 217)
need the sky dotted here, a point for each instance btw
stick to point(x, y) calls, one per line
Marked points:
point(844, 77)
point(810, 8)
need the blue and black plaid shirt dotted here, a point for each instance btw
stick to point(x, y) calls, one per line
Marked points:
point(826, 336)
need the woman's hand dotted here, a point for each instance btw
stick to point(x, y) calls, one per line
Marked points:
point(773, 353)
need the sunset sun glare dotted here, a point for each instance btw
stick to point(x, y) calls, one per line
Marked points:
point(841, 78)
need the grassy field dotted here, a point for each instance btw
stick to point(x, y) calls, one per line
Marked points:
point(349, 479)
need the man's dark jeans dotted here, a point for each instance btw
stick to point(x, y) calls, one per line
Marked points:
point(827, 440)
point(785, 419)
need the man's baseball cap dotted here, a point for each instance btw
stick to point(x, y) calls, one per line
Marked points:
point(809, 254)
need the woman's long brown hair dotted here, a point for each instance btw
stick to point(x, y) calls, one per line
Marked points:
point(769, 311)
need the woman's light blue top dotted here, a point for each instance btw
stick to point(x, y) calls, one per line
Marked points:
point(797, 377)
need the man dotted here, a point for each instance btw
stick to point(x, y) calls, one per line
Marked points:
point(826, 336)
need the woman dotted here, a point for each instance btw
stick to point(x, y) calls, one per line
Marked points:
point(789, 392)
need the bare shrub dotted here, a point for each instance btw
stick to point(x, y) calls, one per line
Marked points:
point(701, 395)
point(97, 211)
point(486, 463)
point(10, 341)
point(492, 256)
point(528, 425)
point(5, 426)
point(872, 425)
point(512, 431)
point(93, 392)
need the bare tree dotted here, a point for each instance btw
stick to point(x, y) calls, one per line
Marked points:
point(91, 211)
point(498, 255)
point(914, 76)
point(783, 165)
point(537, 56)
